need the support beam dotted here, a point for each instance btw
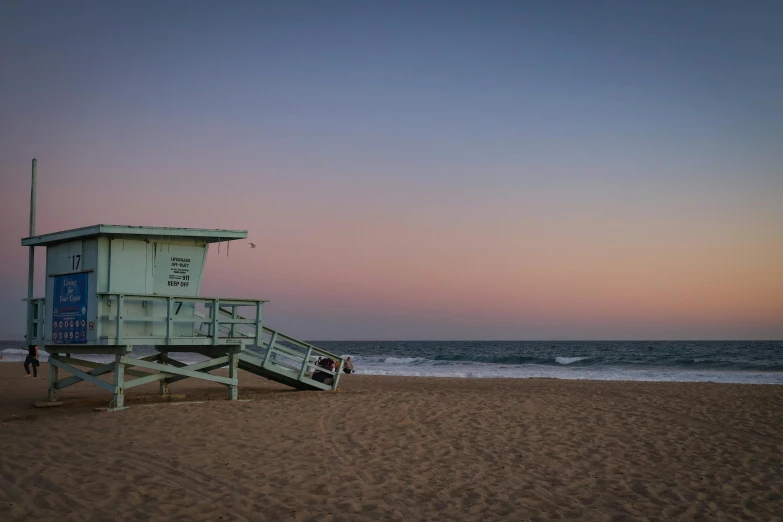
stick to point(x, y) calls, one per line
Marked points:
point(168, 372)
point(70, 381)
point(53, 374)
point(119, 382)
point(98, 369)
point(206, 369)
point(181, 371)
point(84, 376)
point(233, 369)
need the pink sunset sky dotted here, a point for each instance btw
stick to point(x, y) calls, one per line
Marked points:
point(399, 187)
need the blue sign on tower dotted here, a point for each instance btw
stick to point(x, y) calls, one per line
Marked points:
point(69, 313)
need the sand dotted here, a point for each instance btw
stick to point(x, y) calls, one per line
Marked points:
point(388, 448)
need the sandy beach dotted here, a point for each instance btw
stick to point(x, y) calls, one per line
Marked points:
point(391, 448)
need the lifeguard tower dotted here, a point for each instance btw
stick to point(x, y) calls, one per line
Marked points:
point(112, 288)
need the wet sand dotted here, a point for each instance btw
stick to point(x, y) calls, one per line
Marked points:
point(391, 448)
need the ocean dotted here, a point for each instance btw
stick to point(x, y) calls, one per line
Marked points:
point(754, 362)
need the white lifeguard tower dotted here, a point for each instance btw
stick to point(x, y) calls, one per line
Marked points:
point(110, 288)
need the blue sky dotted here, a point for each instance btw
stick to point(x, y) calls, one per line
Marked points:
point(594, 138)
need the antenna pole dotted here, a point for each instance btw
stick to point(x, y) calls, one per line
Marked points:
point(31, 257)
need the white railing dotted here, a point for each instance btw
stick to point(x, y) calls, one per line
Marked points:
point(289, 354)
point(300, 358)
point(134, 319)
point(152, 319)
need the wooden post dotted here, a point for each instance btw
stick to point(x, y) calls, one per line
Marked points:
point(233, 370)
point(53, 376)
point(31, 259)
point(119, 382)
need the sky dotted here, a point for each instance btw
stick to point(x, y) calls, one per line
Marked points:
point(449, 170)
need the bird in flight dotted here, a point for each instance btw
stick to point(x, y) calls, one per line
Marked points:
point(252, 245)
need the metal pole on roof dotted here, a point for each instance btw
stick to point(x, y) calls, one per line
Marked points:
point(31, 256)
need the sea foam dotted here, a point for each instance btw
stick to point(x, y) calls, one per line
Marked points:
point(569, 360)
